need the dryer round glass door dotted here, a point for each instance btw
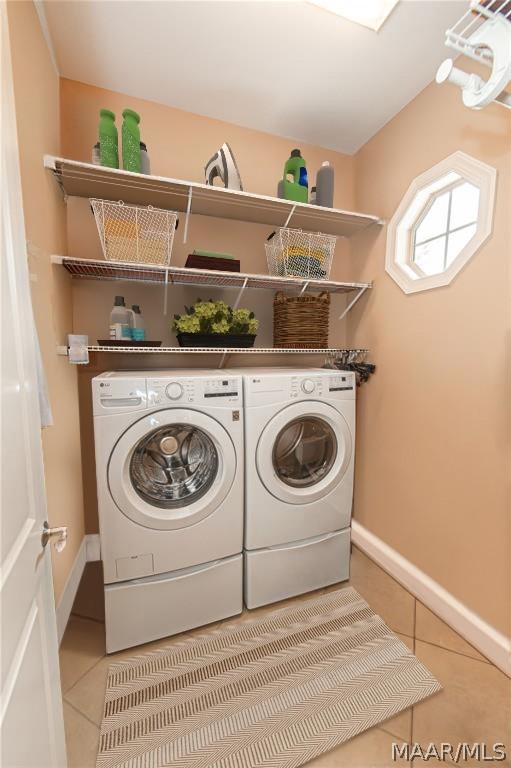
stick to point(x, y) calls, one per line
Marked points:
point(304, 451)
point(302, 456)
point(171, 469)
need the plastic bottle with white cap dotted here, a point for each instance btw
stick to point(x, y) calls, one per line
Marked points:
point(120, 320)
point(325, 185)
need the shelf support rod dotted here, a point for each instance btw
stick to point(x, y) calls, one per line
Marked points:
point(305, 286)
point(240, 293)
point(188, 211)
point(293, 209)
point(165, 292)
point(222, 360)
point(353, 302)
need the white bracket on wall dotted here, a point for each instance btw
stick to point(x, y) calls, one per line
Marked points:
point(165, 292)
point(188, 212)
point(240, 294)
point(353, 302)
point(483, 34)
point(50, 162)
point(293, 209)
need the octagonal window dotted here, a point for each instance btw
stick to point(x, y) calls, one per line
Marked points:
point(447, 225)
point(444, 218)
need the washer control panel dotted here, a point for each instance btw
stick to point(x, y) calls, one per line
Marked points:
point(307, 385)
point(174, 390)
point(223, 388)
point(184, 391)
point(112, 395)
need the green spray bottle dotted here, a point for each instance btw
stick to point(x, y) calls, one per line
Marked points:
point(131, 158)
point(297, 189)
point(108, 149)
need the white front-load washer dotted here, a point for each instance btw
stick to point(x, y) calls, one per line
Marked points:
point(299, 466)
point(169, 467)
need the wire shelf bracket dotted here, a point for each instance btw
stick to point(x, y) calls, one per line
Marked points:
point(240, 294)
point(353, 302)
point(483, 34)
point(290, 216)
point(188, 212)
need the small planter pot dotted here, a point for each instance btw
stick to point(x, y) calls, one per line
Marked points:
point(216, 339)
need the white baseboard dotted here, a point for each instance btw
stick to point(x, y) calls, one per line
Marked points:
point(68, 595)
point(489, 641)
point(89, 551)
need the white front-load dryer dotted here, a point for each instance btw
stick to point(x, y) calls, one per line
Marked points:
point(299, 467)
point(169, 467)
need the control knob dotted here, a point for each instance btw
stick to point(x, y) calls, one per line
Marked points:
point(174, 390)
point(308, 386)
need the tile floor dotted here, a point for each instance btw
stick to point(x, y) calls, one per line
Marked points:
point(475, 705)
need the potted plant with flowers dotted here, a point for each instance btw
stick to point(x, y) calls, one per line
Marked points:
point(215, 324)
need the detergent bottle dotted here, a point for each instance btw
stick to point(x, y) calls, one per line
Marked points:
point(297, 189)
point(120, 320)
point(325, 185)
point(137, 330)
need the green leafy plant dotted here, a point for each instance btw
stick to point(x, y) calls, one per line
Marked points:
point(215, 317)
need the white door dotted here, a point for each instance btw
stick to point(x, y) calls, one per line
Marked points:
point(32, 730)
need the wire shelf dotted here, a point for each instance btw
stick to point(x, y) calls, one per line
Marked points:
point(91, 269)
point(87, 180)
point(214, 350)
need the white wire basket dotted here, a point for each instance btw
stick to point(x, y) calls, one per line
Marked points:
point(134, 233)
point(294, 253)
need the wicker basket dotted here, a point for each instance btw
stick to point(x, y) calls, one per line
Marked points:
point(301, 321)
point(134, 234)
point(294, 253)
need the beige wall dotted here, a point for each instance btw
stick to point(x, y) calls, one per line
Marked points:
point(36, 88)
point(179, 144)
point(433, 460)
point(434, 422)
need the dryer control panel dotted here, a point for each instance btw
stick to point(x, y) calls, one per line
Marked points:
point(342, 382)
point(215, 391)
point(321, 386)
point(314, 384)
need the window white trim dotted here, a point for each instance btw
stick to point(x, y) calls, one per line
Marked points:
point(400, 232)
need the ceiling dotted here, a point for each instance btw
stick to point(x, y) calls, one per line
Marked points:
point(287, 68)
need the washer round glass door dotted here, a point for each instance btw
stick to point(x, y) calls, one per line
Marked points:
point(302, 456)
point(171, 469)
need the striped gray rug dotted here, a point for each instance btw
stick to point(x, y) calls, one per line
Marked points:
point(276, 690)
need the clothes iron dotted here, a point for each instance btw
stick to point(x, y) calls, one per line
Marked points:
point(223, 165)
